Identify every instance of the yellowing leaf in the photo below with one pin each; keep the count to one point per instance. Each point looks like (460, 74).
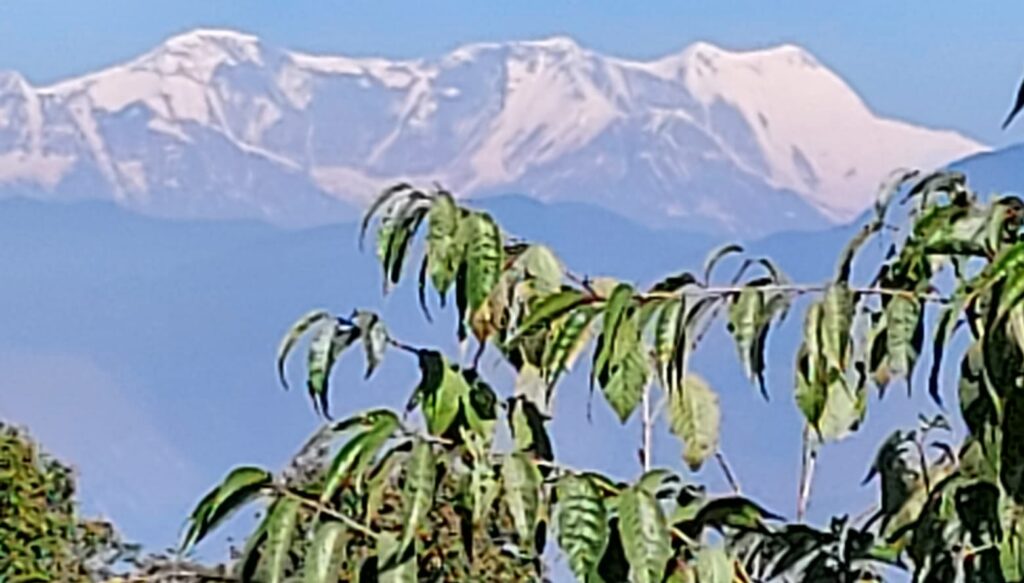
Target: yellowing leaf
(695, 417)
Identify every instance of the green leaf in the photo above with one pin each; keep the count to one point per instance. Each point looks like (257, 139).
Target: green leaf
(353, 457)
(713, 565)
(694, 417)
(329, 341)
(325, 554)
(521, 482)
(615, 311)
(396, 234)
(571, 334)
(444, 251)
(378, 203)
(904, 334)
(645, 536)
(836, 323)
(546, 310)
(394, 564)
(812, 374)
(283, 518)
(846, 257)
(484, 258)
(441, 389)
(292, 336)
(582, 524)
(666, 336)
(843, 411)
(734, 512)
(674, 282)
(480, 406)
(375, 338)
(418, 492)
(717, 255)
(543, 267)
(238, 488)
(625, 376)
(528, 431)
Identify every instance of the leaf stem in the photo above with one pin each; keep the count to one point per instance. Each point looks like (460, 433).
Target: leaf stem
(730, 478)
(350, 522)
(647, 428)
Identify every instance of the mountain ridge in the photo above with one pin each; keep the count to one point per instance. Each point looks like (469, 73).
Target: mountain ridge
(219, 124)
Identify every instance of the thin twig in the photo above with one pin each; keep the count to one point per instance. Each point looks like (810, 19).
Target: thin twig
(645, 448)
(730, 478)
(351, 523)
(808, 454)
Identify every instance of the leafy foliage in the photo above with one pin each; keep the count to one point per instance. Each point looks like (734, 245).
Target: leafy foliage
(436, 494)
(42, 538)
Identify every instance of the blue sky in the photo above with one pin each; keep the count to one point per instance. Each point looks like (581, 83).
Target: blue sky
(936, 62)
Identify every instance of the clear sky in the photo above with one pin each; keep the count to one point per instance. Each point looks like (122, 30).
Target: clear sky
(936, 62)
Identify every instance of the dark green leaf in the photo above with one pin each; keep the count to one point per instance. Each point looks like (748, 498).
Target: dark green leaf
(582, 524)
(239, 487)
(484, 258)
(353, 457)
(717, 255)
(645, 536)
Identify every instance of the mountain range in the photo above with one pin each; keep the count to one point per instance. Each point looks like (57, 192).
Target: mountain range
(220, 124)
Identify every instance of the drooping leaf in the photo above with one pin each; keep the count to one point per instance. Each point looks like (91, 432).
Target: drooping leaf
(836, 323)
(528, 431)
(444, 249)
(441, 391)
(645, 536)
(615, 311)
(625, 376)
(843, 410)
(717, 255)
(694, 417)
(239, 487)
(521, 482)
(395, 565)
(396, 234)
(378, 203)
(418, 492)
(667, 334)
(292, 336)
(329, 341)
(484, 258)
(353, 457)
(571, 334)
(282, 519)
(480, 406)
(812, 374)
(582, 524)
(325, 554)
(904, 334)
(375, 339)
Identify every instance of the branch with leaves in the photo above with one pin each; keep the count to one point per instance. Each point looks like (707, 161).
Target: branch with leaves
(371, 496)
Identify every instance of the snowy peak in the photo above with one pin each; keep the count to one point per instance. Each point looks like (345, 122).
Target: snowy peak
(215, 123)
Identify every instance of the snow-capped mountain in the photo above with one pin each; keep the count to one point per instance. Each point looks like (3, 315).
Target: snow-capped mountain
(219, 124)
